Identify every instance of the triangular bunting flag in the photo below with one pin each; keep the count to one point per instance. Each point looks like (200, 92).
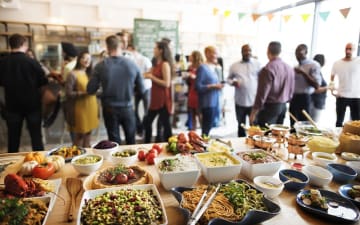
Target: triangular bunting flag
(305, 17)
(286, 18)
(241, 15)
(324, 15)
(215, 11)
(345, 12)
(255, 16)
(270, 16)
(227, 13)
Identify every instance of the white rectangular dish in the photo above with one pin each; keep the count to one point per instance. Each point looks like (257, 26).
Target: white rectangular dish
(92, 194)
(186, 176)
(251, 170)
(218, 166)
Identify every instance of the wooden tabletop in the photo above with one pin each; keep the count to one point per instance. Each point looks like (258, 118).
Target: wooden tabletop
(290, 212)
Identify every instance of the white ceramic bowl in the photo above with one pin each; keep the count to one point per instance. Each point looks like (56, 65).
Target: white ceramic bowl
(186, 173)
(84, 167)
(221, 172)
(106, 152)
(252, 170)
(263, 183)
(323, 158)
(356, 166)
(126, 156)
(318, 176)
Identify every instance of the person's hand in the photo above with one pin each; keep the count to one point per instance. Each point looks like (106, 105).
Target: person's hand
(148, 75)
(298, 70)
(252, 117)
(235, 83)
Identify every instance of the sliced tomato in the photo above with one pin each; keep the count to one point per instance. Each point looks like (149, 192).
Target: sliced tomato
(43, 171)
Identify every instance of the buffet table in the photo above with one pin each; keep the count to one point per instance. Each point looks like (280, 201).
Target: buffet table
(290, 212)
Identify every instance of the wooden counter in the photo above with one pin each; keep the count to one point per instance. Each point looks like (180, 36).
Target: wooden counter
(290, 212)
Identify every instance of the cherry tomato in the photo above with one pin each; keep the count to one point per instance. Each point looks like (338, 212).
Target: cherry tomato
(141, 155)
(43, 171)
(130, 173)
(153, 151)
(150, 158)
(121, 178)
(157, 147)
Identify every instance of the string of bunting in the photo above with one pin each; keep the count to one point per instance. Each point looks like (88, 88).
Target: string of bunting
(323, 15)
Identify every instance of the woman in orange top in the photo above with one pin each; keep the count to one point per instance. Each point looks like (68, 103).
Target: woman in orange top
(160, 102)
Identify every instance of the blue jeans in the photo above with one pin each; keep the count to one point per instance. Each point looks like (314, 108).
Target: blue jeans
(208, 117)
(14, 122)
(164, 118)
(116, 116)
(241, 113)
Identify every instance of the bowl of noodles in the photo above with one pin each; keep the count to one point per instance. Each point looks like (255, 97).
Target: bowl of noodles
(228, 205)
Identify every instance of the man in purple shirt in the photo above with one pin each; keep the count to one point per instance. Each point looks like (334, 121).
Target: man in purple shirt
(275, 89)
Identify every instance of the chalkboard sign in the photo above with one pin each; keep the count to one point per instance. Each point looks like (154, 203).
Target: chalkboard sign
(147, 32)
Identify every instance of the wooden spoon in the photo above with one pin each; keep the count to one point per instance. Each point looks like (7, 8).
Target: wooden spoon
(309, 118)
(74, 186)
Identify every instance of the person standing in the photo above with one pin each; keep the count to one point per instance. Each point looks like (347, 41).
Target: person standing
(275, 88)
(243, 75)
(161, 102)
(196, 60)
(82, 109)
(347, 70)
(118, 76)
(208, 88)
(22, 78)
(318, 98)
(144, 65)
(307, 80)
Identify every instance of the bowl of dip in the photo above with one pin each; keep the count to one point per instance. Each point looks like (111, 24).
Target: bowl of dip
(218, 166)
(88, 163)
(177, 171)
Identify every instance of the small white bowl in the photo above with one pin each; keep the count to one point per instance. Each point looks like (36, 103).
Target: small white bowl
(264, 184)
(318, 176)
(185, 175)
(106, 152)
(84, 167)
(323, 158)
(356, 166)
(126, 156)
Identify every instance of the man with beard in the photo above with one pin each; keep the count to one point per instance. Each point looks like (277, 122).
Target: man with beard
(243, 75)
(347, 70)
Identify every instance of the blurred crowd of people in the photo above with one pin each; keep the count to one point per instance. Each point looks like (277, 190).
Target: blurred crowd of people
(124, 78)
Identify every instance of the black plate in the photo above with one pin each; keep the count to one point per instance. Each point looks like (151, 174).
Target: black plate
(346, 212)
(343, 191)
(67, 159)
(251, 217)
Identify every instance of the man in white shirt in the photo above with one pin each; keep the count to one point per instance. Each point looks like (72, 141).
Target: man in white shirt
(243, 75)
(347, 93)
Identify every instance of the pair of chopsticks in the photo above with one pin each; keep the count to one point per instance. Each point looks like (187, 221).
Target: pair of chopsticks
(201, 208)
(308, 117)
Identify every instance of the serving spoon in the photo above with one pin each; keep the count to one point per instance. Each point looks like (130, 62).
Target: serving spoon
(74, 187)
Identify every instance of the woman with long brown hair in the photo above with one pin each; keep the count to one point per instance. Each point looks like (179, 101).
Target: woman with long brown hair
(81, 108)
(161, 102)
